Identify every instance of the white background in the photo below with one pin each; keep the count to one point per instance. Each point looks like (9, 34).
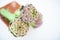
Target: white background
(49, 30)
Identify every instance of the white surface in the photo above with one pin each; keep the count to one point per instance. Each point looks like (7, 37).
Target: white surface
(50, 29)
